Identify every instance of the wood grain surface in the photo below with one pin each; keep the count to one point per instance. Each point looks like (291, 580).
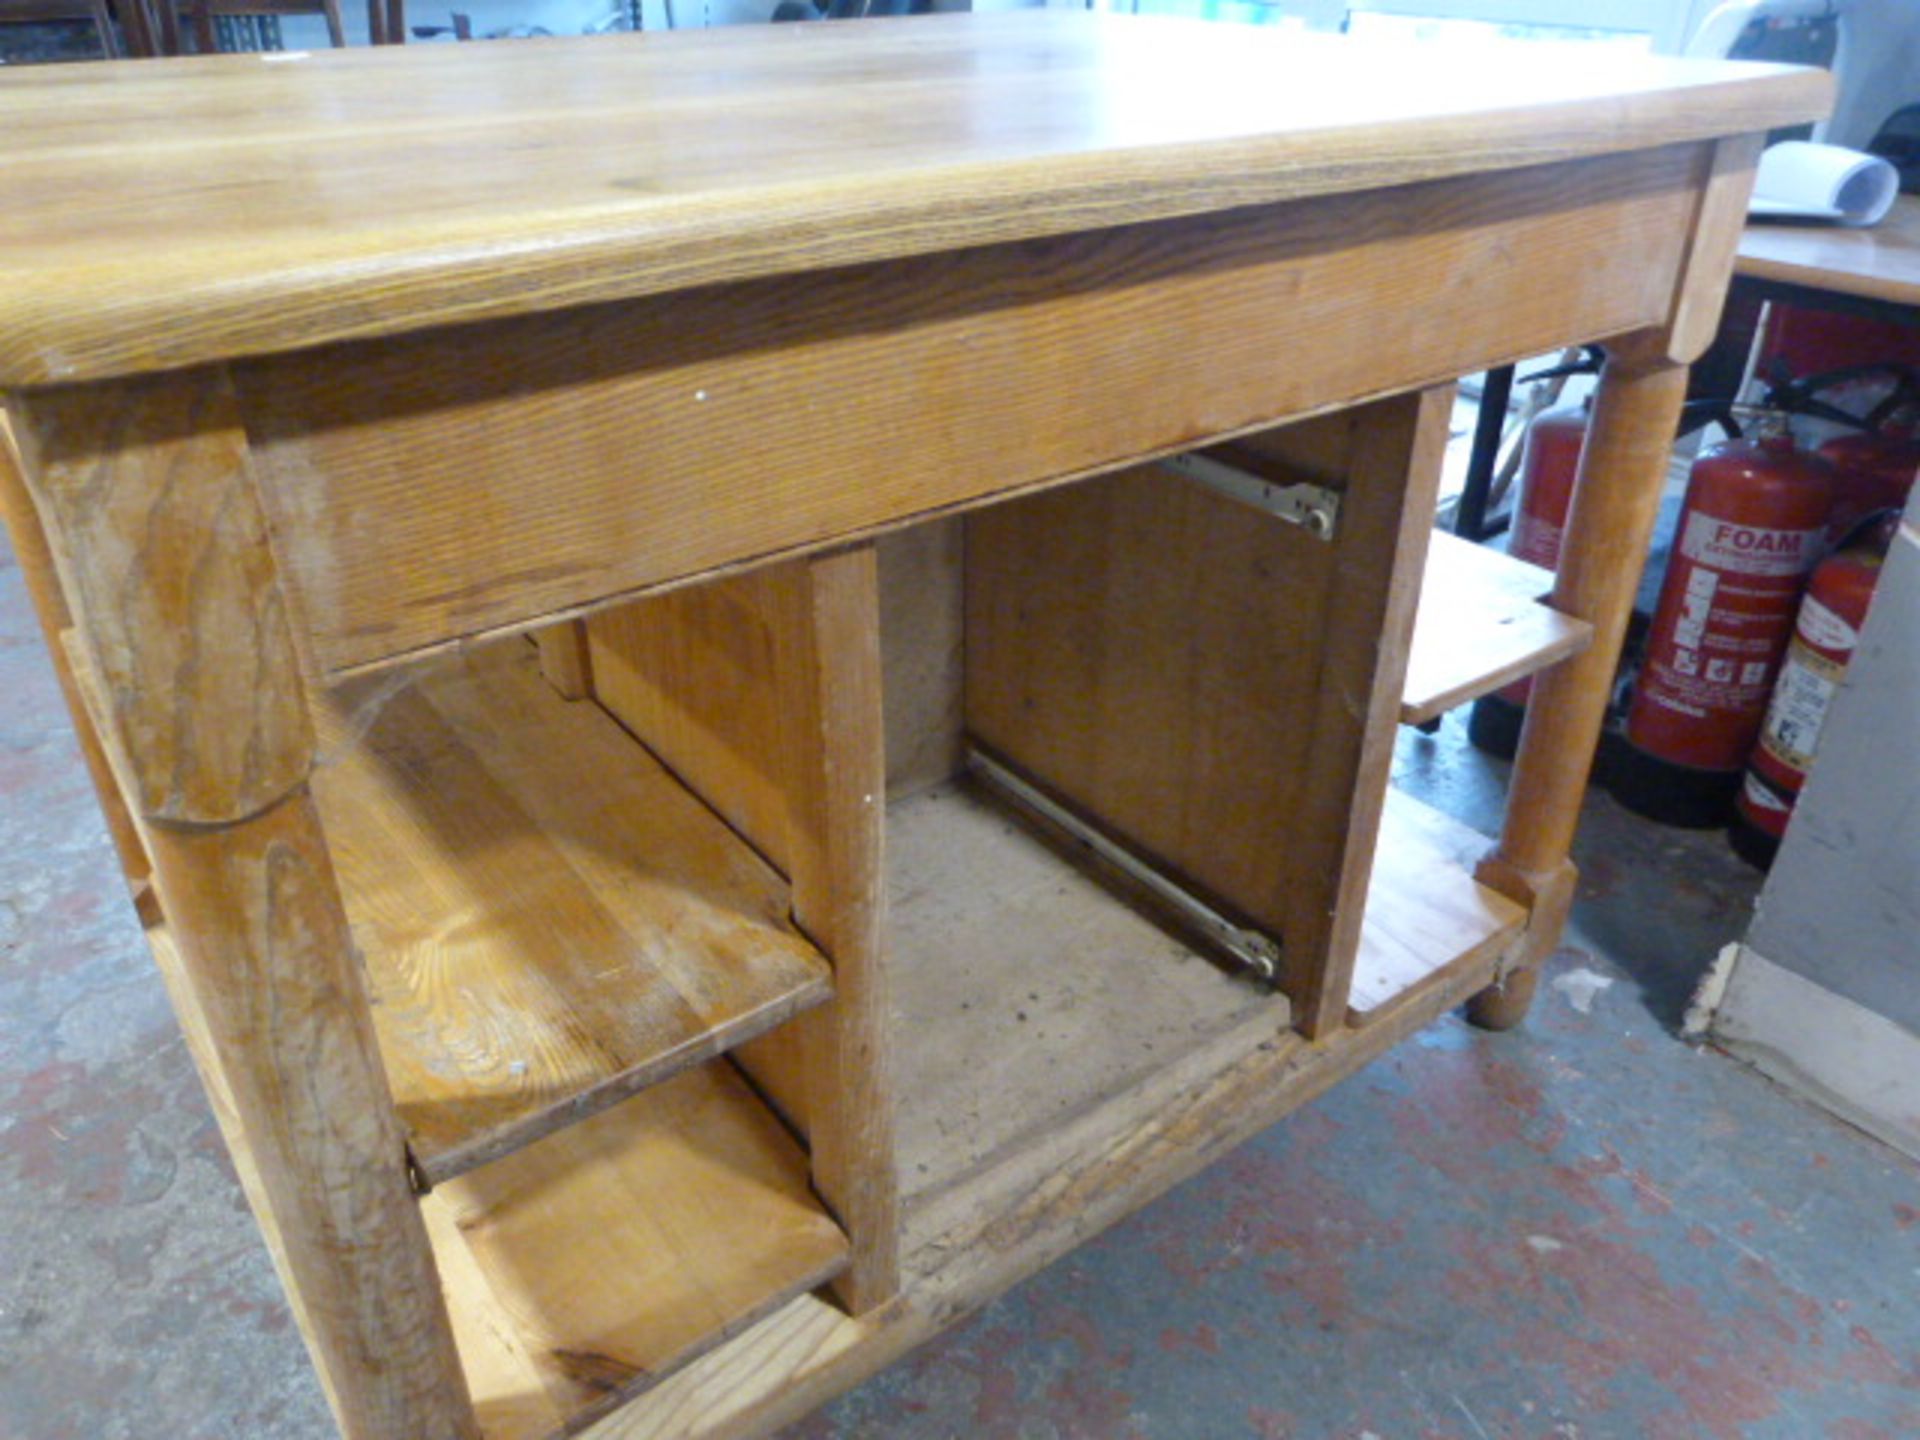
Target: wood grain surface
(1427, 918)
(586, 1268)
(762, 691)
(826, 627)
(432, 486)
(1878, 264)
(1149, 650)
(1700, 293)
(1218, 688)
(565, 659)
(264, 948)
(35, 559)
(1392, 477)
(156, 526)
(691, 673)
(1016, 1217)
(1481, 624)
(163, 214)
(550, 921)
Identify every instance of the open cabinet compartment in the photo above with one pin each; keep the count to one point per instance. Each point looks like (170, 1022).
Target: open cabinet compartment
(562, 943)
(1205, 683)
(1217, 688)
(622, 1201)
(613, 941)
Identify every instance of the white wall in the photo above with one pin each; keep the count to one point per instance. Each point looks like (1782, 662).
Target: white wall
(1842, 904)
(1824, 994)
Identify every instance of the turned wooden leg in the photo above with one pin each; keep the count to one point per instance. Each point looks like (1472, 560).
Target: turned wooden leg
(1616, 498)
(155, 527)
(1623, 469)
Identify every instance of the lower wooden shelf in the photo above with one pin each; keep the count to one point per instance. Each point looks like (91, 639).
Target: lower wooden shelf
(1481, 624)
(1427, 918)
(1039, 1159)
(1026, 992)
(551, 922)
(584, 1268)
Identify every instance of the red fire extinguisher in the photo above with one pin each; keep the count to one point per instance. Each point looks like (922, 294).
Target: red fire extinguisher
(1549, 461)
(1751, 527)
(1873, 471)
(1875, 409)
(1825, 634)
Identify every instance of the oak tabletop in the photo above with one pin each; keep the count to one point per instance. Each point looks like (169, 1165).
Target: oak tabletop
(156, 214)
(1878, 263)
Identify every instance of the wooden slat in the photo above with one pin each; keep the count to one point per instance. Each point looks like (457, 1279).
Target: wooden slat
(1427, 920)
(1481, 624)
(550, 921)
(1392, 477)
(199, 209)
(565, 660)
(630, 446)
(582, 1270)
(826, 624)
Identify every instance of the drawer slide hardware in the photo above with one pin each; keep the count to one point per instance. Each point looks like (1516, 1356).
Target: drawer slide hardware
(1314, 508)
(1258, 953)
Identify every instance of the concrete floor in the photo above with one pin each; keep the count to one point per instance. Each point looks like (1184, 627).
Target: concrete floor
(1582, 1229)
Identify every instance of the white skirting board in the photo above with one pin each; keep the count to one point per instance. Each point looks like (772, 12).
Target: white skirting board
(1846, 1058)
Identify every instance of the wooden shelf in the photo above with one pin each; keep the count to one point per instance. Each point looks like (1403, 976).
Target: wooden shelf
(1027, 992)
(1481, 625)
(550, 921)
(1427, 918)
(585, 1268)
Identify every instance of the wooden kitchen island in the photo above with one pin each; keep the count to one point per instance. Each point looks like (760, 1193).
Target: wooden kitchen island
(968, 483)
